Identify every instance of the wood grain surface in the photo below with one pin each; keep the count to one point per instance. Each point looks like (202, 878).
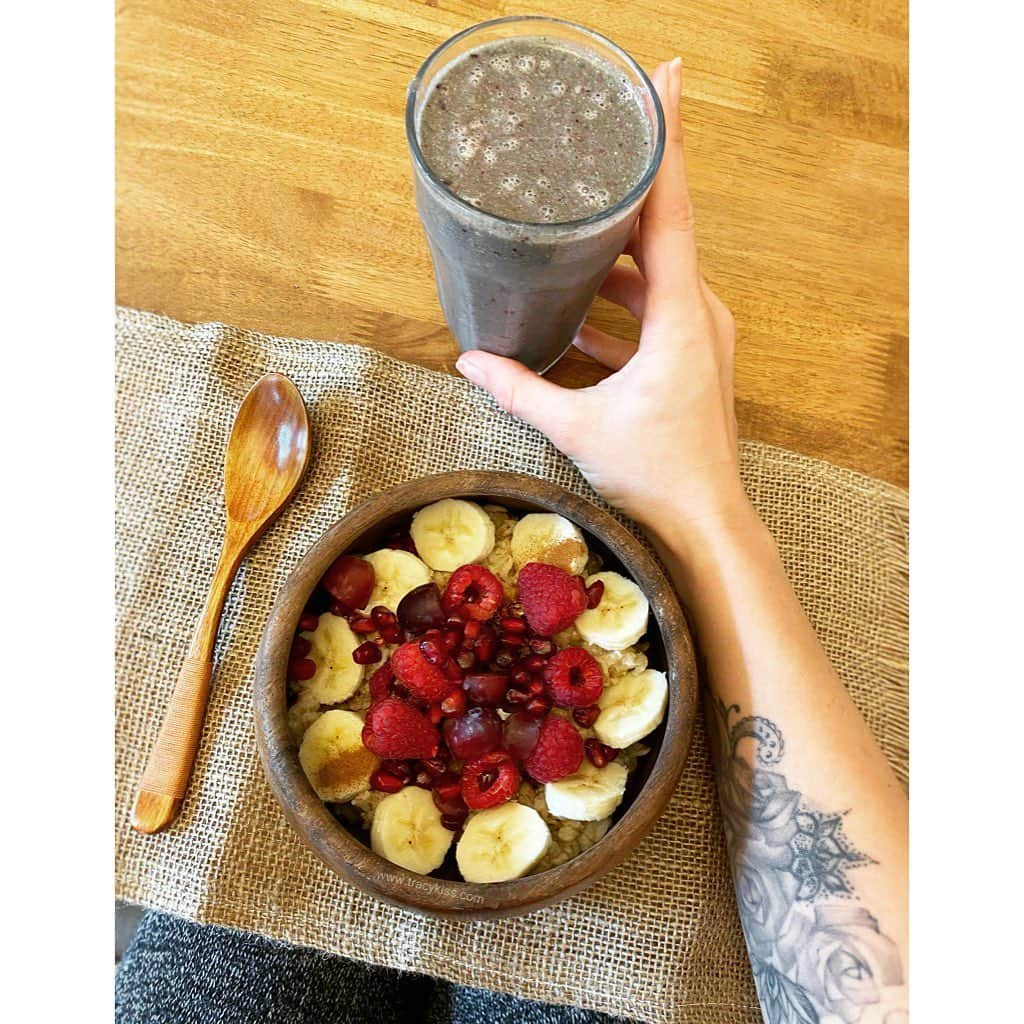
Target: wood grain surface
(263, 180)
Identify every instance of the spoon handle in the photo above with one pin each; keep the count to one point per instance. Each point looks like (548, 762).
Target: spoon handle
(169, 768)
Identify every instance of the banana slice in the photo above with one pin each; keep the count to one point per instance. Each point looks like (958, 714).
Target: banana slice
(620, 619)
(337, 675)
(452, 532)
(631, 707)
(333, 757)
(592, 794)
(501, 843)
(551, 538)
(396, 573)
(407, 831)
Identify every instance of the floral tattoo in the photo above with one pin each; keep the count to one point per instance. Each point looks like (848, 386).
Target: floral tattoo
(818, 956)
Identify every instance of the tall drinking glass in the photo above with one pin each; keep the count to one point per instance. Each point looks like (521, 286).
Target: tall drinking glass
(522, 288)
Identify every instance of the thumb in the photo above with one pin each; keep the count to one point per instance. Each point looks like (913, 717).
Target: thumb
(523, 393)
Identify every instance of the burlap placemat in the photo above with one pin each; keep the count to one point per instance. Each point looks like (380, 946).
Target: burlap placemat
(658, 938)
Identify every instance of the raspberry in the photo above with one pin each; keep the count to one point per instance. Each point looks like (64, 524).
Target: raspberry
(422, 679)
(552, 599)
(380, 682)
(395, 729)
(574, 678)
(559, 751)
(472, 592)
(489, 780)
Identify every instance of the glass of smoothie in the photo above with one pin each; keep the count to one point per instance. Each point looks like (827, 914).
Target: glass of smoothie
(534, 142)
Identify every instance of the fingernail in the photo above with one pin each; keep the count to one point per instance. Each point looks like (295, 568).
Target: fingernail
(468, 367)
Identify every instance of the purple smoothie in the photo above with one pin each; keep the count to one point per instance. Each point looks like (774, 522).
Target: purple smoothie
(535, 131)
(536, 151)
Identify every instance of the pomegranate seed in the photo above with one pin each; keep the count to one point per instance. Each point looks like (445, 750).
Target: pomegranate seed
(383, 616)
(452, 671)
(454, 703)
(471, 629)
(384, 782)
(378, 640)
(534, 663)
(433, 650)
(485, 648)
(401, 541)
(399, 769)
(303, 669)
(521, 677)
(537, 707)
(510, 640)
(536, 688)
(437, 766)
(423, 779)
(366, 654)
(465, 660)
(341, 610)
(308, 622)
(447, 787)
(586, 717)
(300, 648)
(599, 753)
(452, 804)
(512, 610)
(503, 659)
(435, 714)
(454, 822)
(452, 639)
(541, 646)
(513, 625)
(391, 633)
(361, 624)
(515, 696)
(594, 593)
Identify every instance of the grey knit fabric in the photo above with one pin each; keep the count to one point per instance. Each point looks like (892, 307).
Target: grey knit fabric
(176, 971)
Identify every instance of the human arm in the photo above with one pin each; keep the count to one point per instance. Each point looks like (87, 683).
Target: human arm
(814, 817)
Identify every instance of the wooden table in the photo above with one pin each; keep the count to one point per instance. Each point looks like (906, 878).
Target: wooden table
(263, 180)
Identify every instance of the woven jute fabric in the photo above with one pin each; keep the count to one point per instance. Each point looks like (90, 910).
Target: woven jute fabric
(658, 938)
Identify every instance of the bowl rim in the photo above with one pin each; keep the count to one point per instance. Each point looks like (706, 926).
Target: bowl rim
(356, 862)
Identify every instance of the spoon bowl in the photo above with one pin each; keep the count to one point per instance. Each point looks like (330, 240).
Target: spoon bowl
(267, 453)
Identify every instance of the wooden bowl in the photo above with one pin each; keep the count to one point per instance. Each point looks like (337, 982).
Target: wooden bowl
(650, 786)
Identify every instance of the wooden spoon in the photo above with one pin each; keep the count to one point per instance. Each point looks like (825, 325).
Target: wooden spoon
(266, 456)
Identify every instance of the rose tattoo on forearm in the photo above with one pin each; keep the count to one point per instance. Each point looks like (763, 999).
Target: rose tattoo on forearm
(818, 956)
